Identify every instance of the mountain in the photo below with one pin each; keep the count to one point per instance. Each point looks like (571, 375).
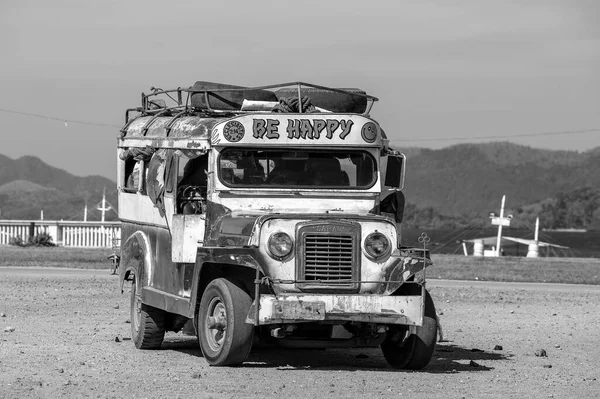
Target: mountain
(29, 185)
(469, 180)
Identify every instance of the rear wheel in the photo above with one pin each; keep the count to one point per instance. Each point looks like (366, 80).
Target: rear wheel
(224, 336)
(147, 322)
(413, 351)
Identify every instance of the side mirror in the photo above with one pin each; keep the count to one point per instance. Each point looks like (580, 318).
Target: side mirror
(393, 204)
(394, 174)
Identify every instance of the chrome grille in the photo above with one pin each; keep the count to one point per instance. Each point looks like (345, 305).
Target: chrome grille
(328, 254)
(328, 257)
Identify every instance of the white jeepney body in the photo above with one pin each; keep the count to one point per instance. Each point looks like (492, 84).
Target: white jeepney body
(288, 206)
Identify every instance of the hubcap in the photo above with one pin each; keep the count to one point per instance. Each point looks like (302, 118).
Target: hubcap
(215, 325)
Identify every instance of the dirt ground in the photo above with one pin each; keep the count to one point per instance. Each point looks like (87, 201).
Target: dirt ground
(66, 328)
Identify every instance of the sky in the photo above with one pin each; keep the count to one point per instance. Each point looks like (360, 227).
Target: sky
(445, 72)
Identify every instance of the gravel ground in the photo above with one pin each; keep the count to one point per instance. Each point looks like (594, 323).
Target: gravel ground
(71, 338)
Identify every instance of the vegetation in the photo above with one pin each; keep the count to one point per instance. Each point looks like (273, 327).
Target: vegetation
(429, 218)
(575, 210)
(39, 240)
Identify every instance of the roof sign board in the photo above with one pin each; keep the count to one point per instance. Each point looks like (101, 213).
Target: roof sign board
(298, 129)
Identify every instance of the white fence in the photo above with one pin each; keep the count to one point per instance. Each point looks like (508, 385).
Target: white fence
(68, 234)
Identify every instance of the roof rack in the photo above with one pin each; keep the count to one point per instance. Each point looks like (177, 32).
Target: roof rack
(180, 99)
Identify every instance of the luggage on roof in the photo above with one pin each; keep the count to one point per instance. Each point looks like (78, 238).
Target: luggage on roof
(227, 97)
(352, 101)
(230, 100)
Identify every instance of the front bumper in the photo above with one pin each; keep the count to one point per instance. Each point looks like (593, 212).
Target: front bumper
(380, 309)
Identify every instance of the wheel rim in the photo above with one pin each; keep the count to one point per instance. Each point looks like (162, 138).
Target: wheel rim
(215, 325)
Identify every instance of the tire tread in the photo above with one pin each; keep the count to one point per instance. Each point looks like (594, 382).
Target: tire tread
(151, 332)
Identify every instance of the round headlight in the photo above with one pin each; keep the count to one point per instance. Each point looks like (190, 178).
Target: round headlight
(280, 245)
(377, 245)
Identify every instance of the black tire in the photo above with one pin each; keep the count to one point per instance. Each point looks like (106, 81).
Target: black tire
(404, 350)
(147, 323)
(224, 336)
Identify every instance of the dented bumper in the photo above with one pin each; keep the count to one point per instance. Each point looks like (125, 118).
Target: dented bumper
(282, 309)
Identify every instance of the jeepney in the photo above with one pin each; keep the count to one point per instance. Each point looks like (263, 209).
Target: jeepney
(271, 216)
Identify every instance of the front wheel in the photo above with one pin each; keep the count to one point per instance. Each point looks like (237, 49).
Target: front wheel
(147, 322)
(413, 351)
(224, 336)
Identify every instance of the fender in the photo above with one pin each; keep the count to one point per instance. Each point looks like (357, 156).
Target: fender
(136, 258)
(229, 258)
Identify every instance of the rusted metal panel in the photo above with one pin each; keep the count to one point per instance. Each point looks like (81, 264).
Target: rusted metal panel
(281, 309)
(229, 228)
(136, 256)
(166, 301)
(139, 208)
(187, 127)
(187, 232)
(299, 310)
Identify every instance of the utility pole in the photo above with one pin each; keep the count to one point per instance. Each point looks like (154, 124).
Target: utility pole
(103, 208)
(500, 221)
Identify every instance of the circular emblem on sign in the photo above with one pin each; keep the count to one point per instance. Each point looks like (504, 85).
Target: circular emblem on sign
(369, 132)
(233, 131)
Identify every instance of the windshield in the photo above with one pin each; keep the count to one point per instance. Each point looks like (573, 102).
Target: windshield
(350, 169)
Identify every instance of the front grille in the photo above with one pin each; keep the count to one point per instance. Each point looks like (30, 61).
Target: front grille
(328, 255)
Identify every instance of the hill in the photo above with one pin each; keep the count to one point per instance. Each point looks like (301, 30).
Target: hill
(577, 209)
(29, 185)
(468, 180)
(23, 186)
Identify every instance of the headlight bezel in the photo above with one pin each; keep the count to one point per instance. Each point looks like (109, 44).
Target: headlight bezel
(368, 246)
(278, 255)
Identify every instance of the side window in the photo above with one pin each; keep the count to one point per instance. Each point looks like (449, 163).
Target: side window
(143, 166)
(132, 175)
(192, 186)
(182, 162)
(192, 172)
